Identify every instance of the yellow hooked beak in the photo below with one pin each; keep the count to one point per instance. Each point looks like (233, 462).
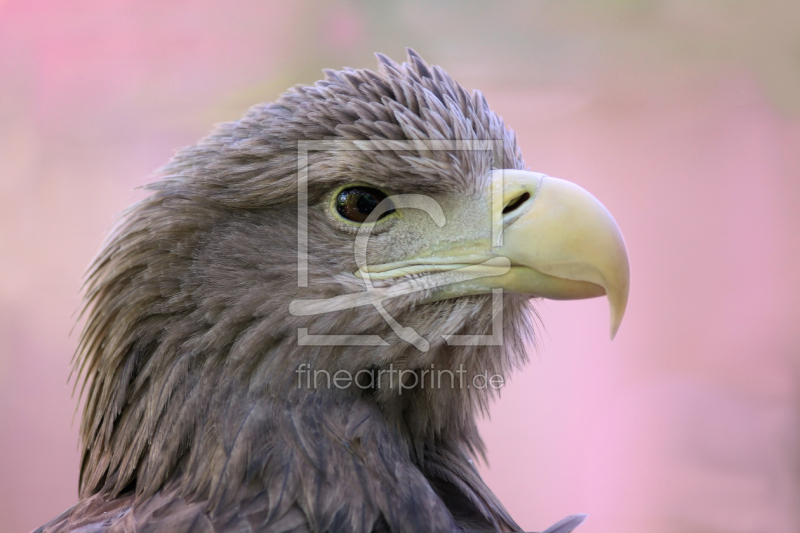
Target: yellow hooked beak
(550, 239)
(564, 245)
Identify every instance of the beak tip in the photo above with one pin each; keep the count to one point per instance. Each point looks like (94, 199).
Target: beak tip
(618, 302)
(617, 312)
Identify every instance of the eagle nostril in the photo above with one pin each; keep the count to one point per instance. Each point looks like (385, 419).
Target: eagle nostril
(516, 202)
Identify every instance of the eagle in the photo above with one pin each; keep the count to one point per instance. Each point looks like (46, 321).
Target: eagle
(297, 328)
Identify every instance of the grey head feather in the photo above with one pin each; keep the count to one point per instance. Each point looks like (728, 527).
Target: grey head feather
(568, 524)
(189, 354)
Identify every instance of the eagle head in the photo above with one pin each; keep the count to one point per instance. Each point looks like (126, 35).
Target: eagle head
(303, 305)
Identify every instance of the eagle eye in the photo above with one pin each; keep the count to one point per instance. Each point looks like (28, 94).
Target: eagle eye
(356, 203)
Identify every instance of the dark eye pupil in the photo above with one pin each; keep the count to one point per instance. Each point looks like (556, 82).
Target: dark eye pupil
(365, 203)
(356, 203)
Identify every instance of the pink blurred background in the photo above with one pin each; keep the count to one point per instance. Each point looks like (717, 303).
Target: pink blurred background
(683, 117)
